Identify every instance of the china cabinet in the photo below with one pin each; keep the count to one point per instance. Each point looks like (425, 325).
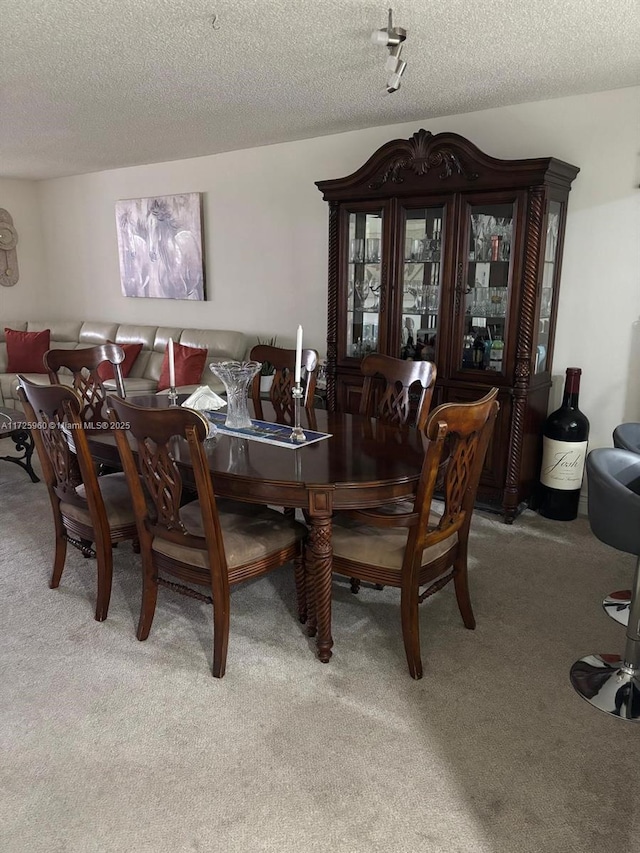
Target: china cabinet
(440, 252)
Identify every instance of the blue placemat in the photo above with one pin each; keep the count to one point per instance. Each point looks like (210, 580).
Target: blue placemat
(277, 434)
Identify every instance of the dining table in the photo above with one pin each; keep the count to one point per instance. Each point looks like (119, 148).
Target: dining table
(364, 463)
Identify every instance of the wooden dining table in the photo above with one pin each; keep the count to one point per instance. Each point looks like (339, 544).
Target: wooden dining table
(364, 463)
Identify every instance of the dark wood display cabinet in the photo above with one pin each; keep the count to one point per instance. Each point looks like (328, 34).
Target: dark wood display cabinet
(438, 251)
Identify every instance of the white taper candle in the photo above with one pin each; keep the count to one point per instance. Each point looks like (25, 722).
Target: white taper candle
(172, 365)
(298, 356)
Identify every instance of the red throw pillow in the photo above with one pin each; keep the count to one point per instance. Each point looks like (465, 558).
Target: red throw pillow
(189, 364)
(25, 350)
(131, 352)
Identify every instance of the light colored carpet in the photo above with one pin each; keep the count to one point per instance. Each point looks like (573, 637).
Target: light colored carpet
(109, 744)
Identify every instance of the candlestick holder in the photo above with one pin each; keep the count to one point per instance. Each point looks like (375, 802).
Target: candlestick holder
(296, 433)
(173, 396)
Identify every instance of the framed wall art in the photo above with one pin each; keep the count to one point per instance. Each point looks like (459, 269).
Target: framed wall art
(160, 246)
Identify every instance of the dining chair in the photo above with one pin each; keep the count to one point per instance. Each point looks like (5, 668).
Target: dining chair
(386, 396)
(280, 394)
(387, 385)
(83, 365)
(419, 544)
(87, 509)
(203, 543)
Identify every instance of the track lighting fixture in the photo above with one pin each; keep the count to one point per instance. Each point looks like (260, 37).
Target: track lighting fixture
(391, 65)
(393, 83)
(392, 38)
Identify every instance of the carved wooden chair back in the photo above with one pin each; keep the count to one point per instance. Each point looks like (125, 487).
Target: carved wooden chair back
(162, 437)
(49, 408)
(390, 401)
(280, 394)
(83, 365)
(468, 431)
(186, 541)
(413, 546)
(81, 516)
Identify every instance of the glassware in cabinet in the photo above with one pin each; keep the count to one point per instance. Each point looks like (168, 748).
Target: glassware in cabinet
(364, 282)
(490, 230)
(421, 282)
(547, 288)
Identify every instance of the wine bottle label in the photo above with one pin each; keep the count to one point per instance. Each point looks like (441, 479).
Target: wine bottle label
(563, 464)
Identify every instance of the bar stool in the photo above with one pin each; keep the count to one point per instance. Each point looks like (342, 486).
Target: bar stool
(627, 437)
(616, 605)
(607, 681)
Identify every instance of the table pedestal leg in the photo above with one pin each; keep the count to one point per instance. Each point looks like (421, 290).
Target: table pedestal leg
(319, 566)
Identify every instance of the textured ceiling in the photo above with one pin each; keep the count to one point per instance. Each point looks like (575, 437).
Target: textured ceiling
(87, 85)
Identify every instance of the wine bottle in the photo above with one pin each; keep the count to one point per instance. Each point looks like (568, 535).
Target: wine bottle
(564, 450)
(478, 351)
(496, 352)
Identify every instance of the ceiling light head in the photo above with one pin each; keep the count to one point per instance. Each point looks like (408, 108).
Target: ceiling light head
(390, 36)
(393, 83)
(393, 60)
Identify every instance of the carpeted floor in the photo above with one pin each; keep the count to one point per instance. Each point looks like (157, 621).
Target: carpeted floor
(109, 744)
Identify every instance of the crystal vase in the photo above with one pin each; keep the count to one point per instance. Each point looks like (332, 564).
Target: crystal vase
(236, 376)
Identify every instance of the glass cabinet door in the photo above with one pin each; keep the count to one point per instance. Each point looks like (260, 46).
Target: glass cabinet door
(421, 283)
(548, 277)
(490, 230)
(364, 261)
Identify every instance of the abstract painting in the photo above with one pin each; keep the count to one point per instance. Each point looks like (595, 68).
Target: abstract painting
(160, 246)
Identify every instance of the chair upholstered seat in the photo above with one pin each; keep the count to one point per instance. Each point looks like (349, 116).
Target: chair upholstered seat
(250, 533)
(117, 502)
(375, 546)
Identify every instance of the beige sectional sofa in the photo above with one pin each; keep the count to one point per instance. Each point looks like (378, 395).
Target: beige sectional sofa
(143, 378)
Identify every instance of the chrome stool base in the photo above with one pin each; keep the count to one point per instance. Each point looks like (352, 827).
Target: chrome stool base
(617, 606)
(607, 684)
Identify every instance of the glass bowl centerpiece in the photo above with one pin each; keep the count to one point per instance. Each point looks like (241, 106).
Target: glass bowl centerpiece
(236, 376)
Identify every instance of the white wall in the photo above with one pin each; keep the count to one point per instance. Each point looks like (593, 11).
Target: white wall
(22, 201)
(266, 236)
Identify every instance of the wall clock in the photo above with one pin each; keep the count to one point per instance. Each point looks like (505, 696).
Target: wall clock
(8, 255)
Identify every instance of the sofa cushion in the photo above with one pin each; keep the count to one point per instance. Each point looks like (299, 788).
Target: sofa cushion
(92, 333)
(189, 364)
(61, 330)
(221, 344)
(131, 352)
(16, 325)
(25, 350)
